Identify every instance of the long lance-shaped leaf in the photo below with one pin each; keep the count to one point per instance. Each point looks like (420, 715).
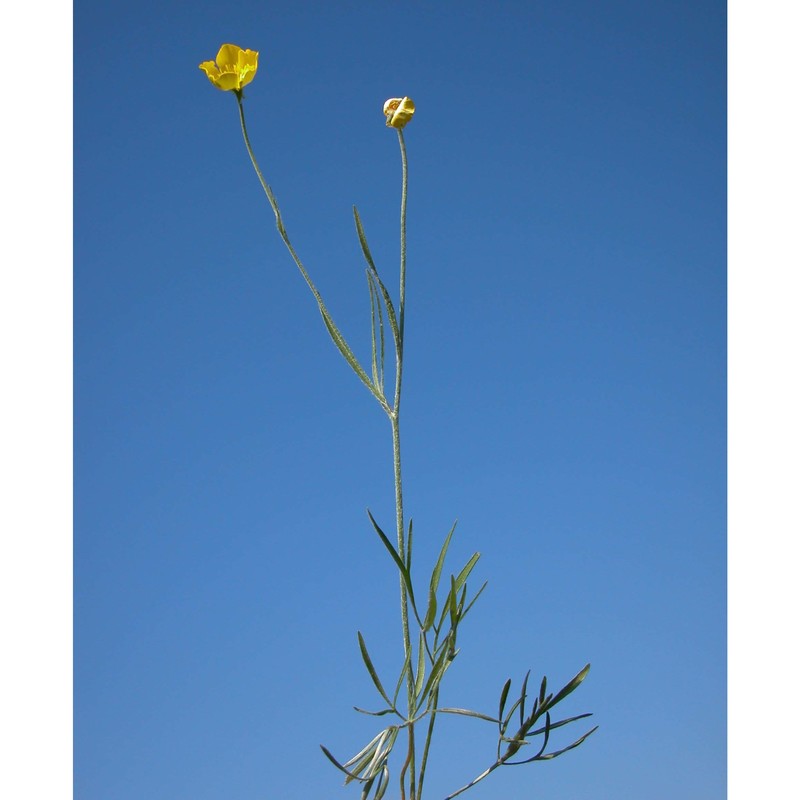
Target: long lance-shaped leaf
(458, 618)
(368, 749)
(503, 698)
(510, 714)
(437, 570)
(373, 316)
(382, 713)
(559, 724)
(547, 729)
(369, 762)
(402, 677)
(382, 363)
(466, 712)
(338, 765)
(572, 746)
(458, 582)
(387, 299)
(430, 614)
(468, 567)
(376, 315)
(555, 754)
(437, 673)
(367, 788)
(420, 665)
(444, 611)
(382, 752)
(383, 783)
(569, 688)
(472, 602)
(398, 561)
(371, 668)
(453, 608)
(522, 695)
(349, 357)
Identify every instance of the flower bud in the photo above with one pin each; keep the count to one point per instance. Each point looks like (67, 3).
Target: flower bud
(398, 111)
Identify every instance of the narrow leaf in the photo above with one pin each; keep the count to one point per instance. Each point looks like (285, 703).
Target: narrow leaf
(383, 783)
(374, 289)
(472, 602)
(338, 765)
(570, 687)
(503, 698)
(459, 582)
(464, 574)
(386, 296)
(437, 570)
(467, 713)
(347, 353)
(451, 603)
(510, 713)
(437, 672)
(430, 614)
(375, 713)
(373, 318)
(522, 695)
(363, 240)
(401, 679)
(559, 724)
(371, 669)
(420, 666)
(577, 742)
(397, 560)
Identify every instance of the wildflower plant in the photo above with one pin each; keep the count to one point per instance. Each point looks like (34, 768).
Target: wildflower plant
(431, 612)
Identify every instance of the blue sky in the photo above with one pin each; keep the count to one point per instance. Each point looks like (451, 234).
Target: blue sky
(564, 389)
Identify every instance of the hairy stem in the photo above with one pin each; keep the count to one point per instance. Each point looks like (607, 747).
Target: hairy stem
(333, 331)
(394, 417)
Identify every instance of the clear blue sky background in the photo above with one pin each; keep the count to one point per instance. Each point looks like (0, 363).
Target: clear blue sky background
(564, 391)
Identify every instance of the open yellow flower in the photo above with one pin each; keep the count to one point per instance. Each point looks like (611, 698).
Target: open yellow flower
(398, 111)
(234, 68)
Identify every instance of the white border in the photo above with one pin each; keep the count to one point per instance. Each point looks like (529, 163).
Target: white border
(764, 399)
(36, 404)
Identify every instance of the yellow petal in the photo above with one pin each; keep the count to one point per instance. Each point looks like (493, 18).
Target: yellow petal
(210, 69)
(227, 81)
(247, 66)
(228, 55)
(233, 69)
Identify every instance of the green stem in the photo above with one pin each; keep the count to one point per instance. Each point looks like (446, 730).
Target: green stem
(334, 332)
(428, 738)
(394, 417)
(403, 200)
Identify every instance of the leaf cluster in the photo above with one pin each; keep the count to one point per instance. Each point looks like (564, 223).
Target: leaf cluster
(438, 623)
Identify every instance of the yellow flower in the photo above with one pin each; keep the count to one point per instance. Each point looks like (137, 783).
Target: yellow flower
(398, 111)
(233, 69)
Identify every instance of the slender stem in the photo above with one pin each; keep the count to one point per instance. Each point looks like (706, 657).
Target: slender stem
(427, 747)
(274, 203)
(403, 200)
(398, 478)
(334, 332)
(478, 779)
(393, 413)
